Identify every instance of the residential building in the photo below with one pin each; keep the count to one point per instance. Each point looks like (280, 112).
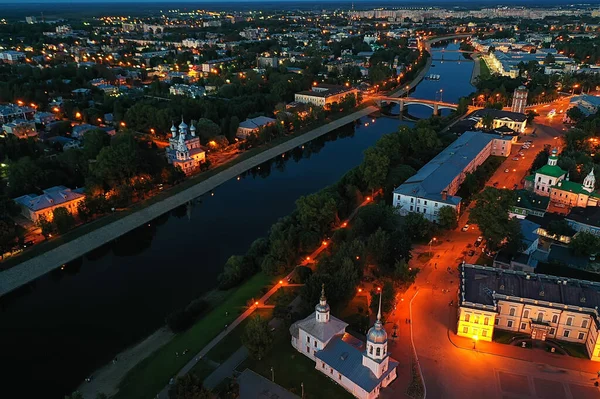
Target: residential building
(184, 148)
(11, 57)
(43, 118)
(529, 203)
(538, 305)
(546, 177)
(109, 89)
(10, 112)
(213, 65)
(586, 103)
(33, 206)
(519, 100)
(264, 62)
(20, 128)
(511, 120)
(361, 370)
(584, 219)
(325, 94)
(435, 184)
(187, 90)
(253, 126)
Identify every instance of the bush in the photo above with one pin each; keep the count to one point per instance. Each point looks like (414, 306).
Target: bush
(182, 319)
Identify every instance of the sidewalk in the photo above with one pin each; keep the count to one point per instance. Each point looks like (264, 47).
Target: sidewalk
(226, 369)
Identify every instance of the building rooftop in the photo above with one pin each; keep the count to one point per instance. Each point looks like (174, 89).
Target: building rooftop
(481, 283)
(51, 197)
(257, 122)
(323, 331)
(499, 114)
(564, 256)
(345, 354)
(255, 386)
(530, 200)
(326, 90)
(549, 170)
(589, 215)
(434, 178)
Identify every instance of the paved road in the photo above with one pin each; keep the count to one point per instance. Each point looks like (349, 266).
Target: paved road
(31, 269)
(226, 369)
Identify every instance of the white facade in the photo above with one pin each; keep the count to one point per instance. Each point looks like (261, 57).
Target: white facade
(519, 101)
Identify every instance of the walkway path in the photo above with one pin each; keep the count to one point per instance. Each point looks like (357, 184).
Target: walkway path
(476, 69)
(30, 270)
(164, 394)
(226, 369)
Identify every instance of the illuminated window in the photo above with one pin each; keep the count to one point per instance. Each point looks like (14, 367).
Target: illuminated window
(566, 333)
(581, 335)
(569, 321)
(486, 321)
(584, 324)
(509, 323)
(523, 326)
(512, 311)
(378, 352)
(467, 317)
(555, 318)
(540, 317)
(465, 330)
(526, 314)
(484, 333)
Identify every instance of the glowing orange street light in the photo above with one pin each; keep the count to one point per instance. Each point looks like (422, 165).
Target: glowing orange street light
(360, 290)
(344, 224)
(256, 303)
(20, 102)
(280, 281)
(55, 109)
(123, 124)
(324, 243)
(475, 339)
(152, 131)
(378, 288)
(368, 198)
(78, 115)
(99, 120)
(308, 258)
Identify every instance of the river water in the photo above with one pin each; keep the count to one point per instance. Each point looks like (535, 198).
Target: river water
(58, 330)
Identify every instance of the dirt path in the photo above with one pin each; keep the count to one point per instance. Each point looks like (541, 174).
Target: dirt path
(107, 379)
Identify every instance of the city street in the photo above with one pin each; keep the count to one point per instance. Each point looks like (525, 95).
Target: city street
(455, 367)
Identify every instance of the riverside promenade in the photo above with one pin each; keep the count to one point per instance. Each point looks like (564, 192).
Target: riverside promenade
(34, 268)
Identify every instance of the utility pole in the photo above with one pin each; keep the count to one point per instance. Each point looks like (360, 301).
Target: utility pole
(272, 375)
(302, 385)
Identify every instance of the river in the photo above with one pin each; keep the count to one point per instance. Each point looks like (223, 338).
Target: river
(56, 332)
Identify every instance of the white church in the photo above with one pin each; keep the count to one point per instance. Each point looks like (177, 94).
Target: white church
(361, 370)
(184, 148)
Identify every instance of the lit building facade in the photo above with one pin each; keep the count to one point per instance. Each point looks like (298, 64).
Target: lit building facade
(541, 306)
(363, 370)
(184, 149)
(34, 207)
(519, 101)
(324, 95)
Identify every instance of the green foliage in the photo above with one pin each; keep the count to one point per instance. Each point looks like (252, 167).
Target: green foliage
(388, 298)
(417, 226)
(24, 177)
(490, 213)
(257, 337)
(585, 244)
(476, 180)
(316, 212)
(94, 141)
(47, 226)
(540, 160)
(448, 218)
(375, 168)
(182, 319)
(188, 387)
(560, 228)
(63, 219)
(8, 234)
(207, 129)
(575, 114)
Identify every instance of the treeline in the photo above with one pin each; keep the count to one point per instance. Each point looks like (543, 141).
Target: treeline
(393, 159)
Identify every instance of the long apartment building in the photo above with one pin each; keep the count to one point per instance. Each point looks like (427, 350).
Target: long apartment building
(325, 94)
(538, 305)
(435, 184)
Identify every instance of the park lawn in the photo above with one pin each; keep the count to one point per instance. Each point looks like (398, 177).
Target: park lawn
(293, 369)
(575, 350)
(294, 291)
(149, 376)
(232, 342)
(202, 369)
(484, 71)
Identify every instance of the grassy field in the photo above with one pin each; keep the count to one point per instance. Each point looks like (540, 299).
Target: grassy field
(149, 376)
(293, 369)
(484, 71)
(233, 340)
(575, 350)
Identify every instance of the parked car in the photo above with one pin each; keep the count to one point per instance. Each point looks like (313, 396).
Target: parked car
(495, 184)
(28, 243)
(506, 170)
(471, 253)
(477, 243)
(465, 228)
(479, 239)
(515, 158)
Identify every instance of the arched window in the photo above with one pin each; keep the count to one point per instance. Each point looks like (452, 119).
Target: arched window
(526, 314)
(370, 349)
(377, 351)
(467, 317)
(540, 317)
(512, 311)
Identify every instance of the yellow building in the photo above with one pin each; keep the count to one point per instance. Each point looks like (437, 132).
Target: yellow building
(542, 306)
(325, 94)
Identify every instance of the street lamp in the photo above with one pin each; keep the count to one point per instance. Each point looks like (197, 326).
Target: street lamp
(430, 242)
(475, 339)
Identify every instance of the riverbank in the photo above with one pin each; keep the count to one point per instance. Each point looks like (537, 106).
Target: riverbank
(38, 266)
(476, 69)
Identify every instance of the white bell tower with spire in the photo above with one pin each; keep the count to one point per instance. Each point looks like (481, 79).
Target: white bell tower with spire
(376, 356)
(589, 183)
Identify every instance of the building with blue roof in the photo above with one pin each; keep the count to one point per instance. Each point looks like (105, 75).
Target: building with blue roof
(586, 103)
(363, 370)
(435, 184)
(34, 207)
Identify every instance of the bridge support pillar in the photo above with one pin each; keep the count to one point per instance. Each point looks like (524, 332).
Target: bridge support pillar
(401, 103)
(435, 109)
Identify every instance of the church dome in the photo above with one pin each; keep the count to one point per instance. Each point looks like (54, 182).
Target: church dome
(182, 126)
(377, 334)
(193, 128)
(173, 128)
(322, 306)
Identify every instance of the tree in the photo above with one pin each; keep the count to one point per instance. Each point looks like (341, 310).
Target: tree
(487, 121)
(74, 395)
(388, 297)
(63, 219)
(531, 116)
(560, 228)
(585, 244)
(417, 226)
(575, 114)
(540, 160)
(47, 226)
(93, 142)
(447, 218)
(257, 337)
(8, 234)
(207, 129)
(403, 272)
(550, 59)
(188, 387)
(24, 177)
(317, 212)
(490, 213)
(375, 168)
(378, 245)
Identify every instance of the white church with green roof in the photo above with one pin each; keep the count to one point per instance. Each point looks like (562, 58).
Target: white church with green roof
(552, 181)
